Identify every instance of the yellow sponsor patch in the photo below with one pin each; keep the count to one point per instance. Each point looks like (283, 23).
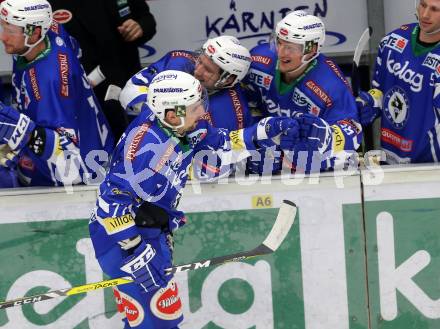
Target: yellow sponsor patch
(143, 89)
(262, 201)
(338, 139)
(237, 142)
(117, 224)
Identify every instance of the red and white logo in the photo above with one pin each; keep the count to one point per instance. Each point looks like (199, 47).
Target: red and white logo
(390, 137)
(129, 307)
(64, 74)
(34, 83)
(238, 108)
(261, 59)
(211, 49)
(318, 91)
(134, 145)
(62, 16)
(26, 163)
(284, 31)
(166, 303)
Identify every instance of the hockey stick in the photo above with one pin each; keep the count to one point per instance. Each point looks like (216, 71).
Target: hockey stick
(283, 223)
(355, 81)
(355, 76)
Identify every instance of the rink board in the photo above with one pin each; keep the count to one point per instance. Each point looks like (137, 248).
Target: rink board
(316, 280)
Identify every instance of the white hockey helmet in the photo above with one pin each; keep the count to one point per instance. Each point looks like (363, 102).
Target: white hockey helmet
(27, 14)
(231, 56)
(302, 28)
(178, 91)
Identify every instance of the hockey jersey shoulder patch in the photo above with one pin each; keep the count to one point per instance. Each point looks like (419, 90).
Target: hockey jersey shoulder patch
(260, 78)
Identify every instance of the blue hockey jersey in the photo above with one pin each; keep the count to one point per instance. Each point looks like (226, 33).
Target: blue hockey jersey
(227, 109)
(321, 91)
(72, 140)
(409, 77)
(149, 164)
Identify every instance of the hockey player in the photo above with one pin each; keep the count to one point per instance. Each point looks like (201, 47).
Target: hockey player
(406, 92)
(290, 77)
(136, 207)
(220, 65)
(58, 125)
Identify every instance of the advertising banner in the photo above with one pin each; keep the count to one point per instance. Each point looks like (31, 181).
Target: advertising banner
(187, 24)
(402, 219)
(312, 281)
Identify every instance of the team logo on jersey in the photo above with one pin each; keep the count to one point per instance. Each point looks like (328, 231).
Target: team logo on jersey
(134, 145)
(129, 307)
(318, 91)
(395, 42)
(396, 107)
(260, 78)
(62, 16)
(300, 99)
(34, 83)
(64, 74)
(390, 137)
(59, 41)
(433, 62)
(166, 303)
(238, 108)
(262, 59)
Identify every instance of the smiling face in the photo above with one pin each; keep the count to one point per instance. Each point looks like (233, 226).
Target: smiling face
(289, 55)
(428, 12)
(207, 72)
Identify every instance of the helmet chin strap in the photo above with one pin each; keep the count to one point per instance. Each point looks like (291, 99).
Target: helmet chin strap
(29, 46)
(303, 63)
(433, 32)
(174, 128)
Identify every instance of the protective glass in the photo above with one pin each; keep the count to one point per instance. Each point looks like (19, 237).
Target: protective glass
(289, 47)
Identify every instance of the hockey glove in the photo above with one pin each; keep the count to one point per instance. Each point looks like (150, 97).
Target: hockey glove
(267, 131)
(15, 128)
(369, 105)
(8, 158)
(146, 267)
(315, 133)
